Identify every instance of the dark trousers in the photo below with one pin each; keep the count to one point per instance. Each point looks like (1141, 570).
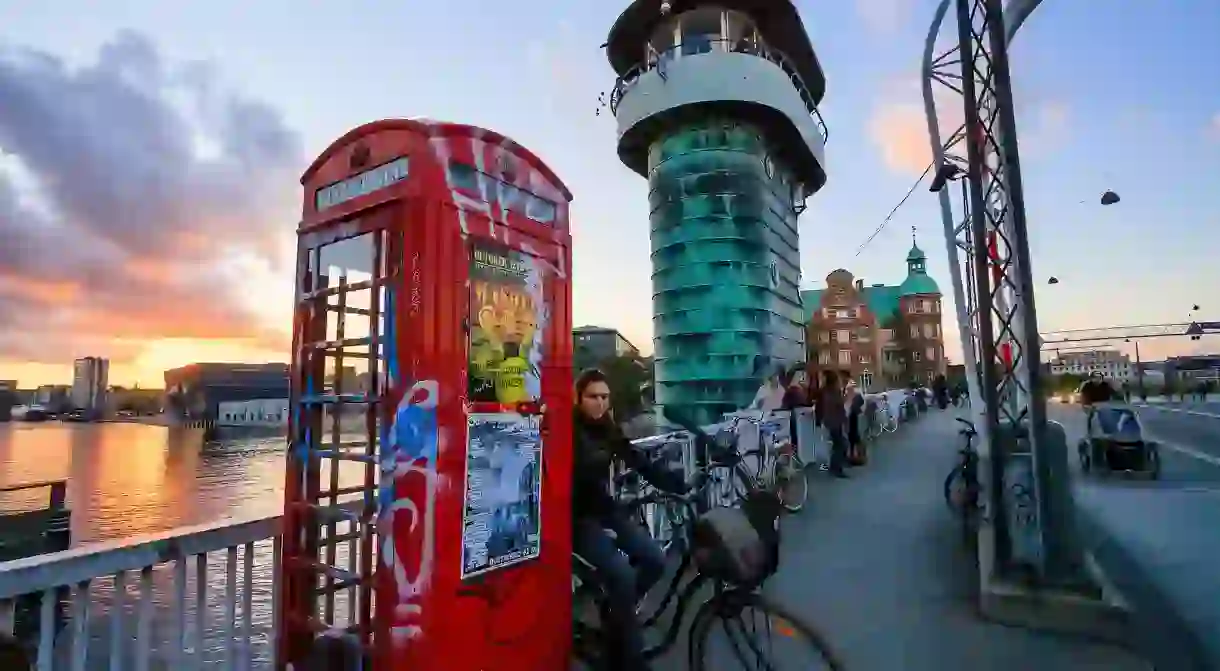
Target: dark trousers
(838, 449)
(628, 564)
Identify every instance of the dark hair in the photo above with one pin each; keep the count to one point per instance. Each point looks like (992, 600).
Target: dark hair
(587, 378)
(13, 655)
(829, 378)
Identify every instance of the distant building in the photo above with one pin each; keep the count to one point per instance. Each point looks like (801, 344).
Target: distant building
(53, 397)
(593, 344)
(267, 413)
(1192, 369)
(883, 336)
(8, 399)
(1111, 364)
(195, 392)
(90, 380)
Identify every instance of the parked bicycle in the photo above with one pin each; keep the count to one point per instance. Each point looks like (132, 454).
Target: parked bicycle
(777, 466)
(961, 488)
(732, 551)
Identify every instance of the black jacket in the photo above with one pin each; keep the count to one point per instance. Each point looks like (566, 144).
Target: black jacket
(1096, 391)
(597, 444)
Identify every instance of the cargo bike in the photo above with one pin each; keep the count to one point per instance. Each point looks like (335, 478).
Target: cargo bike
(1115, 442)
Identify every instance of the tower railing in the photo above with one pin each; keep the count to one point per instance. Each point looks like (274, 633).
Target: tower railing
(706, 46)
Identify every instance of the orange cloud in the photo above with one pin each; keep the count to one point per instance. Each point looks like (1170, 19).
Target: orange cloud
(898, 126)
(900, 133)
(136, 234)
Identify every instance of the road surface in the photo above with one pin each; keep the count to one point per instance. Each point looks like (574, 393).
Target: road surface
(1170, 528)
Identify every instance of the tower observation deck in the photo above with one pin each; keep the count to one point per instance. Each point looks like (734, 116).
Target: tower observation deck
(716, 106)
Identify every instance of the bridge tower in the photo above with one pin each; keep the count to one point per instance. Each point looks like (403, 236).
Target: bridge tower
(716, 105)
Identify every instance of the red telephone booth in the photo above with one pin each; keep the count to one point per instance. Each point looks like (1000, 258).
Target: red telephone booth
(427, 497)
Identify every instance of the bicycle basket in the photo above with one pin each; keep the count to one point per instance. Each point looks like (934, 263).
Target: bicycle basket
(740, 546)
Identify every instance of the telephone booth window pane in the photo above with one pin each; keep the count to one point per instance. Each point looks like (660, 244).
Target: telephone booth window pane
(540, 210)
(465, 178)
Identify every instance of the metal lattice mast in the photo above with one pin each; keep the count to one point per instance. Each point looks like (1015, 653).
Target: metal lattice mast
(992, 282)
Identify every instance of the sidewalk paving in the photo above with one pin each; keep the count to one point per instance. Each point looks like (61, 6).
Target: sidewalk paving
(876, 562)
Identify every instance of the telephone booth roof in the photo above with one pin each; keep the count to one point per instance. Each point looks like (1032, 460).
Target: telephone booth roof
(432, 128)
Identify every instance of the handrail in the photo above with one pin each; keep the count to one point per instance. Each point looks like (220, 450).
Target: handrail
(58, 491)
(32, 485)
(68, 567)
(757, 48)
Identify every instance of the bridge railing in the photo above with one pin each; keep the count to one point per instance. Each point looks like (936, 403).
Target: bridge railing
(206, 596)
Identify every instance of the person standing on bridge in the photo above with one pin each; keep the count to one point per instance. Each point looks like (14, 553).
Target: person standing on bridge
(832, 415)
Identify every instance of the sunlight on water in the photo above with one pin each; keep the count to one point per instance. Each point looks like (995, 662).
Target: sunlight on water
(128, 479)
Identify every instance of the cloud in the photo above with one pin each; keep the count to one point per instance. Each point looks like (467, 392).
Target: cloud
(898, 126)
(126, 233)
(883, 16)
(900, 133)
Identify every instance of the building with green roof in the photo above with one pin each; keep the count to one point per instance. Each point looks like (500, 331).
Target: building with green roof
(881, 335)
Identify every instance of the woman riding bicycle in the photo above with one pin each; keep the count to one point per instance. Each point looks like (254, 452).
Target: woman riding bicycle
(628, 562)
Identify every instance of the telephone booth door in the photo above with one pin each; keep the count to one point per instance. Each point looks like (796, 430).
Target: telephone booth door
(426, 519)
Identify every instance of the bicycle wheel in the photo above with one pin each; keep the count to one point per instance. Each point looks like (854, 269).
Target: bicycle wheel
(748, 632)
(955, 489)
(790, 482)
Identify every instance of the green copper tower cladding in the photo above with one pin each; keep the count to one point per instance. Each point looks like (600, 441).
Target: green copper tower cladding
(717, 106)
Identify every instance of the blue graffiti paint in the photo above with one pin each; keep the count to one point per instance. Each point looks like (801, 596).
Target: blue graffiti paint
(415, 432)
(389, 347)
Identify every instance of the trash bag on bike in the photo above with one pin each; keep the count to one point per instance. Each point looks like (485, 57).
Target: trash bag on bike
(740, 546)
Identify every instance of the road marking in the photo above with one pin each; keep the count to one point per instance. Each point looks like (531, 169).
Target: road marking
(1209, 491)
(1188, 451)
(1183, 411)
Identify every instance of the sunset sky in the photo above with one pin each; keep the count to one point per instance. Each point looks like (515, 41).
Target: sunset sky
(150, 155)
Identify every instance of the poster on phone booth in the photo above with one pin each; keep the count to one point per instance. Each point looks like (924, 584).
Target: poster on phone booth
(508, 316)
(502, 509)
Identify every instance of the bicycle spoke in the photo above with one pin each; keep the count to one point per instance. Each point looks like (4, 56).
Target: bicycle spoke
(767, 643)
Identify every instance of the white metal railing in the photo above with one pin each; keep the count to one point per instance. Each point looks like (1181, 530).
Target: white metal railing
(688, 50)
(190, 598)
(206, 596)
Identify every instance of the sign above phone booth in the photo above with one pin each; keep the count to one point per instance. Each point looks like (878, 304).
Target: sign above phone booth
(433, 338)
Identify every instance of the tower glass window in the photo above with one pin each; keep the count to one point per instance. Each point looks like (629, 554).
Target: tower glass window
(700, 30)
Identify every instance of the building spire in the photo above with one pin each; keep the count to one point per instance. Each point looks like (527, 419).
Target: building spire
(913, 236)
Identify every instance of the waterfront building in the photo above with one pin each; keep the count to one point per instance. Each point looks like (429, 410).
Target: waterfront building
(194, 393)
(54, 397)
(90, 381)
(716, 106)
(8, 399)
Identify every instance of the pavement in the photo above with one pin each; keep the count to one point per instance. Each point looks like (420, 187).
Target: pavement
(1165, 532)
(877, 564)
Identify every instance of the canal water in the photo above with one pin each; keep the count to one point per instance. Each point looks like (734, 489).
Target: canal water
(128, 479)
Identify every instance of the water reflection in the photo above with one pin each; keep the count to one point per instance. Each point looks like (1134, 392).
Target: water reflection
(128, 479)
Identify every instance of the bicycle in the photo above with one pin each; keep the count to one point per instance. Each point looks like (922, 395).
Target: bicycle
(888, 416)
(779, 467)
(732, 593)
(962, 488)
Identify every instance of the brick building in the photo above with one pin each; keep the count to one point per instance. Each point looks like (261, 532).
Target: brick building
(883, 336)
